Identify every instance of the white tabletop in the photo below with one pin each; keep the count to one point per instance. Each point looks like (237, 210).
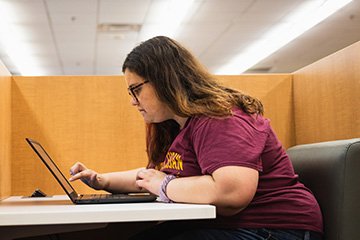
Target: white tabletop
(19, 211)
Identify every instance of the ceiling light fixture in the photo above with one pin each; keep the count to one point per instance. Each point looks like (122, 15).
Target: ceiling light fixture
(304, 18)
(165, 18)
(118, 28)
(11, 40)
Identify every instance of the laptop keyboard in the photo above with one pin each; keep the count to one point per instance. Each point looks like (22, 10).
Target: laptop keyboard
(103, 196)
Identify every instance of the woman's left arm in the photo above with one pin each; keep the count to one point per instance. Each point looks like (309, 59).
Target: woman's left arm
(229, 188)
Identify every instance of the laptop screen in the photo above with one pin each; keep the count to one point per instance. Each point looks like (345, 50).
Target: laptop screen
(52, 167)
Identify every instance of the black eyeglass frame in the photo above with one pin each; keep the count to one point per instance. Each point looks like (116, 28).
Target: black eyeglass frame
(131, 90)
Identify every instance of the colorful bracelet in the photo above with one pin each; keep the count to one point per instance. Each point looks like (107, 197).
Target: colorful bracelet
(163, 196)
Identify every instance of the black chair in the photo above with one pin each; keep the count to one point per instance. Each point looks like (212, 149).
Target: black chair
(332, 172)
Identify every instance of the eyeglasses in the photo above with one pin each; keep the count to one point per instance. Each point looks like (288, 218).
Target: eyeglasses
(134, 91)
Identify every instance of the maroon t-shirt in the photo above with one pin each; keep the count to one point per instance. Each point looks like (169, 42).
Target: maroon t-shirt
(281, 201)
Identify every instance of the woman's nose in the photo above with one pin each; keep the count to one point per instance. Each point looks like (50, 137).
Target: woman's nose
(134, 101)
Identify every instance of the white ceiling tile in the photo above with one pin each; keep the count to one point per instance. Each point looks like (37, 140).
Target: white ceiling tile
(117, 38)
(156, 7)
(123, 18)
(76, 53)
(274, 8)
(234, 39)
(110, 59)
(71, 6)
(75, 29)
(225, 6)
(73, 19)
(41, 48)
(219, 11)
(104, 69)
(78, 34)
(149, 31)
(107, 72)
(124, 5)
(22, 11)
(31, 32)
(46, 60)
(108, 63)
(198, 37)
(29, 17)
(52, 71)
(107, 54)
(213, 61)
(83, 71)
(112, 49)
(122, 11)
(78, 64)
(73, 60)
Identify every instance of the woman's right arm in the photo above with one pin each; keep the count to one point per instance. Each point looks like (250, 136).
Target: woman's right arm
(114, 182)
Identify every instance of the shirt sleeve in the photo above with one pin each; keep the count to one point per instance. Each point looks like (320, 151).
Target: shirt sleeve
(232, 141)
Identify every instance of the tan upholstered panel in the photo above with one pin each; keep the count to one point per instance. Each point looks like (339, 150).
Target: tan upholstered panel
(5, 129)
(86, 119)
(327, 98)
(90, 119)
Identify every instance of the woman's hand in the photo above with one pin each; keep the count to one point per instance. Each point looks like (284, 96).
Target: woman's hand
(88, 176)
(150, 179)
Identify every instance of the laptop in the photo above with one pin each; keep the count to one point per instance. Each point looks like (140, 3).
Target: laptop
(85, 198)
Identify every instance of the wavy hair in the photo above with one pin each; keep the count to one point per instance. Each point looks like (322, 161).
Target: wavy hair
(181, 82)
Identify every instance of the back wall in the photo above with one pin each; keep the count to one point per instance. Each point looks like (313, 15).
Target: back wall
(327, 98)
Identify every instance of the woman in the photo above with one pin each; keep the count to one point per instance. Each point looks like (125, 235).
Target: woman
(208, 144)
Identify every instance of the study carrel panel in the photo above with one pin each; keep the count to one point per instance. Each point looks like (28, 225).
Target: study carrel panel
(5, 131)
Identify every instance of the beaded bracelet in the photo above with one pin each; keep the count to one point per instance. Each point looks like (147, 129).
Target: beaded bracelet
(163, 196)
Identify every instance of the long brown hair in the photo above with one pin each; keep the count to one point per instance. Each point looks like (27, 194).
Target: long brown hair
(185, 86)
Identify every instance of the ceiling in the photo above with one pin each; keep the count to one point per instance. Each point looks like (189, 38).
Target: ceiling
(68, 37)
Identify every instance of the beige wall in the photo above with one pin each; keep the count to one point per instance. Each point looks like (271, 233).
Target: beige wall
(327, 98)
(5, 129)
(90, 119)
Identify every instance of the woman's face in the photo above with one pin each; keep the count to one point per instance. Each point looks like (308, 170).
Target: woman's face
(144, 98)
